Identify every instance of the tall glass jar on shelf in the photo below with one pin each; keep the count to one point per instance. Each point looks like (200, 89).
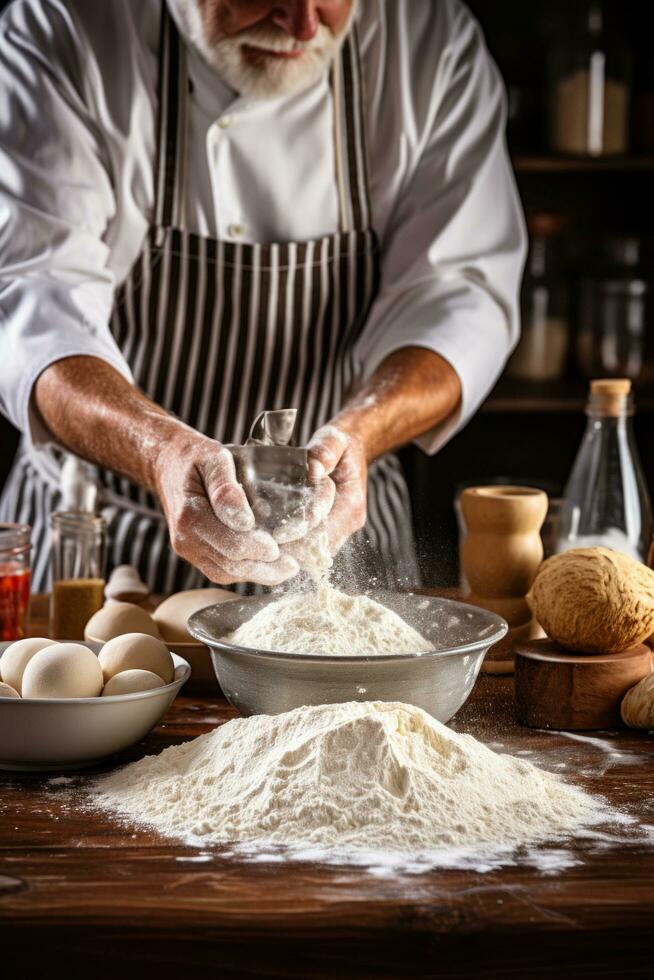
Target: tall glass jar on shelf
(543, 346)
(613, 311)
(590, 85)
(606, 501)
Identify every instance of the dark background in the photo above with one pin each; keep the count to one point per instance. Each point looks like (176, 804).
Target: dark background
(525, 431)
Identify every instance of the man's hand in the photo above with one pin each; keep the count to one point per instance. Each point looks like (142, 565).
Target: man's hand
(310, 515)
(338, 459)
(335, 453)
(209, 518)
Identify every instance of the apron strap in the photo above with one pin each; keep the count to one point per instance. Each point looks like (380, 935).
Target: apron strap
(350, 138)
(170, 176)
(349, 133)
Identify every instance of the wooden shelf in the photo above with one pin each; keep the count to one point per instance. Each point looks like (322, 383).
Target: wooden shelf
(542, 164)
(555, 397)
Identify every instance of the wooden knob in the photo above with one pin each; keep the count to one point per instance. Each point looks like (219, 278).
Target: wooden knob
(574, 692)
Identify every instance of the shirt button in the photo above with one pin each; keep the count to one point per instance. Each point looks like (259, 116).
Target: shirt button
(236, 231)
(225, 122)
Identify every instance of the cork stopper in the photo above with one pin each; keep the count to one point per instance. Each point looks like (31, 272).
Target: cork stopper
(610, 397)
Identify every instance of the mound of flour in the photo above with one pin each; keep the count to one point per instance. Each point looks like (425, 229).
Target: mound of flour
(346, 777)
(330, 623)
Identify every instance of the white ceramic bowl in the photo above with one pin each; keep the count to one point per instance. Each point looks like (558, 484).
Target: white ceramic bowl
(198, 657)
(67, 733)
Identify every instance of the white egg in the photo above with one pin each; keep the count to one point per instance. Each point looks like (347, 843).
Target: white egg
(17, 656)
(117, 619)
(131, 681)
(7, 691)
(64, 670)
(171, 616)
(136, 651)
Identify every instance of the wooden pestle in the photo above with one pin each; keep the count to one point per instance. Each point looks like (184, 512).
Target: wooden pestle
(501, 555)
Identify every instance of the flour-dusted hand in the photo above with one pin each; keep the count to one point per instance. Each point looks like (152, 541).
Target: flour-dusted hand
(209, 518)
(335, 454)
(310, 514)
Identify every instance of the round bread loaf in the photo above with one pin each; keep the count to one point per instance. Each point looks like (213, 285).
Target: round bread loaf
(594, 600)
(117, 619)
(637, 707)
(173, 613)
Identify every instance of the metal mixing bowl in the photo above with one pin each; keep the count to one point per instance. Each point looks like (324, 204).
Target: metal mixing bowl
(265, 682)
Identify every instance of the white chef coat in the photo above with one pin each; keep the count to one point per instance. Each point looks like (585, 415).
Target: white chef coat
(77, 145)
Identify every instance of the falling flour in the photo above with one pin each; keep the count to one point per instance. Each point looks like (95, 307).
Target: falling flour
(330, 623)
(345, 779)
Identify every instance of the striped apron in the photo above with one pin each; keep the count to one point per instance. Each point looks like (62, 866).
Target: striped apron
(216, 331)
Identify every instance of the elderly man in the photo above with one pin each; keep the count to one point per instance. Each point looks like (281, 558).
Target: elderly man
(213, 207)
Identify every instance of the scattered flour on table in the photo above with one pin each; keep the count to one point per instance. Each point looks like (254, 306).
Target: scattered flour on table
(330, 623)
(348, 778)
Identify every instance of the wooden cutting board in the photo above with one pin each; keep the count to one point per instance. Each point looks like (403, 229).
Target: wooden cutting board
(573, 691)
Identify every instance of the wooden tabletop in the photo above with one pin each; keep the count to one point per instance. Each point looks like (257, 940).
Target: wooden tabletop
(80, 890)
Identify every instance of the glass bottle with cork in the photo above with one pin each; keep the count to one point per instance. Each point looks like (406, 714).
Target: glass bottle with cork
(606, 501)
(78, 561)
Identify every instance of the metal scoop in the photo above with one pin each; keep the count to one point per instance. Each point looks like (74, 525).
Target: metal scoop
(274, 474)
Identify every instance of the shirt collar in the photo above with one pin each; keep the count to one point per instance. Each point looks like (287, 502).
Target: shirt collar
(210, 91)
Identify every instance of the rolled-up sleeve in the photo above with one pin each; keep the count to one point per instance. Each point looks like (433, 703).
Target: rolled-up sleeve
(56, 201)
(453, 251)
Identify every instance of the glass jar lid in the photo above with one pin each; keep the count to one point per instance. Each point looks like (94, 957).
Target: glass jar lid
(78, 522)
(15, 538)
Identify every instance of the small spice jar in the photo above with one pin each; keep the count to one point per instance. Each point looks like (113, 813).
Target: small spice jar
(15, 580)
(78, 559)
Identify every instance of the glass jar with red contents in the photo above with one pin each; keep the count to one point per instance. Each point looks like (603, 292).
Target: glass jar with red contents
(15, 580)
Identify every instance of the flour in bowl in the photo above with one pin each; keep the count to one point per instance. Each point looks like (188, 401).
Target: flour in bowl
(328, 622)
(348, 778)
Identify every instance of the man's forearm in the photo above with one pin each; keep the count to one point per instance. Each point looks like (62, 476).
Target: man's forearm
(411, 391)
(93, 411)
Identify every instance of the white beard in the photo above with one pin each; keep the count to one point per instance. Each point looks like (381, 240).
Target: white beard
(270, 78)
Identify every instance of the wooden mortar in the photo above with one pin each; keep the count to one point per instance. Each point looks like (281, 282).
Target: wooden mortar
(574, 691)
